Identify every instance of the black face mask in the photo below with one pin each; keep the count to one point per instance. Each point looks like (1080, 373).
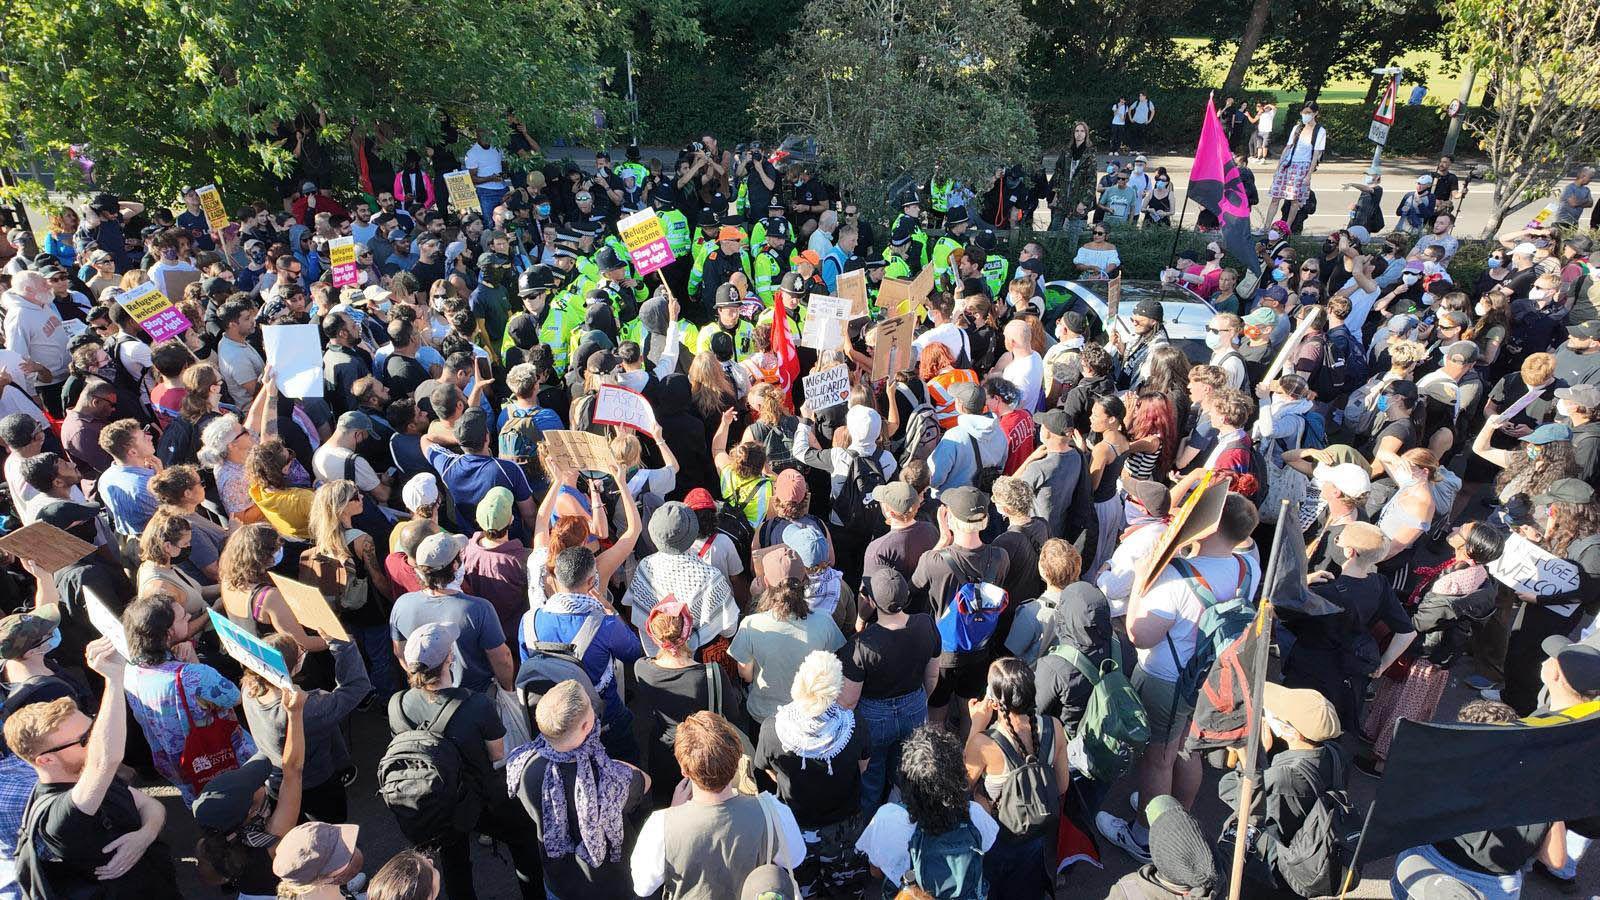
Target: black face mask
(181, 555)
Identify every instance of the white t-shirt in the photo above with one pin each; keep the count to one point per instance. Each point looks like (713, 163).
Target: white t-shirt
(486, 162)
(240, 364)
(948, 334)
(1230, 362)
(721, 555)
(1361, 303)
(1264, 122)
(1173, 599)
(1308, 142)
(330, 462)
(886, 841)
(1119, 113)
(1143, 111)
(1027, 373)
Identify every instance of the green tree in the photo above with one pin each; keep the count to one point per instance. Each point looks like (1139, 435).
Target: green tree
(1101, 35)
(168, 94)
(1542, 116)
(1312, 42)
(891, 88)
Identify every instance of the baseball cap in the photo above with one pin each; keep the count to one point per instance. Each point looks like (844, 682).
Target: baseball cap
(1350, 479)
(1359, 234)
(1525, 248)
(1584, 395)
(808, 543)
(1307, 710)
(1074, 321)
(965, 394)
(439, 550)
(769, 882)
(494, 510)
(1149, 309)
(312, 852)
(1261, 317)
(430, 644)
(308, 187)
(472, 429)
(888, 589)
(1579, 662)
(966, 504)
(1054, 420)
(422, 490)
(355, 420)
(1150, 495)
(1424, 179)
(19, 429)
(1566, 490)
(699, 499)
(897, 497)
(226, 799)
(790, 486)
(22, 632)
(1585, 331)
(1548, 434)
(1406, 390)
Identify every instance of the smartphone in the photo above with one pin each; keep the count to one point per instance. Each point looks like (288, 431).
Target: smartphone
(482, 369)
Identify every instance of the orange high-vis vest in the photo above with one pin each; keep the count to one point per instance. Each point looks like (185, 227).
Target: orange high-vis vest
(944, 407)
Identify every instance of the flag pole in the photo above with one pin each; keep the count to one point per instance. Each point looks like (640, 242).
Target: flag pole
(1355, 858)
(1177, 231)
(1252, 747)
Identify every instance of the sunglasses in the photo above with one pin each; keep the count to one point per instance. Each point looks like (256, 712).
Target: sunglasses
(1311, 269)
(1099, 234)
(81, 741)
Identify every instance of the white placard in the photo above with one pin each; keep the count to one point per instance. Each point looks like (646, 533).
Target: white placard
(106, 622)
(295, 354)
(825, 322)
(1290, 347)
(828, 388)
(1528, 568)
(616, 405)
(1522, 403)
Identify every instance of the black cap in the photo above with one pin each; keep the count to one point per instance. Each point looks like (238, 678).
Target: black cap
(534, 280)
(776, 226)
(472, 429)
(226, 799)
(608, 259)
(1585, 331)
(966, 504)
(1567, 490)
(64, 514)
(1149, 494)
(956, 216)
(888, 589)
(902, 233)
(794, 284)
(987, 239)
(1074, 321)
(586, 228)
(1055, 421)
(1579, 663)
(1405, 390)
(1149, 309)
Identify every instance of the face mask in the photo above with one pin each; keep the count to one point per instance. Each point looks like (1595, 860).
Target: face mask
(1279, 275)
(51, 642)
(1306, 118)
(1273, 235)
(181, 555)
(1161, 182)
(1533, 454)
(169, 253)
(544, 209)
(1404, 477)
(1495, 263)
(1563, 410)
(1482, 309)
(1537, 293)
(1383, 402)
(257, 256)
(1111, 169)
(277, 557)
(1138, 167)
(455, 583)
(1214, 341)
(1410, 277)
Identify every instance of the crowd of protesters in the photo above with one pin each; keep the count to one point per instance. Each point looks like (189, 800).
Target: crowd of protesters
(774, 646)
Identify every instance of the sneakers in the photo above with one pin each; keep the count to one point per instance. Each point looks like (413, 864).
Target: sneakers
(1490, 694)
(1478, 682)
(1120, 832)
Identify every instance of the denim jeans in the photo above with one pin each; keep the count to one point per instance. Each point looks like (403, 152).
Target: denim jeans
(890, 721)
(379, 653)
(1576, 845)
(488, 199)
(1492, 887)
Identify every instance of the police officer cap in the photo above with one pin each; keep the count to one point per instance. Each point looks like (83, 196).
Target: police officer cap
(728, 295)
(987, 240)
(876, 262)
(902, 233)
(534, 280)
(776, 226)
(794, 284)
(956, 216)
(588, 228)
(608, 259)
(663, 195)
(776, 206)
(707, 219)
(909, 198)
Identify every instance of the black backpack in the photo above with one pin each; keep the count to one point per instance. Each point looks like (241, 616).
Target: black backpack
(1315, 861)
(421, 778)
(854, 507)
(732, 521)
(985, 477)
(920, 432)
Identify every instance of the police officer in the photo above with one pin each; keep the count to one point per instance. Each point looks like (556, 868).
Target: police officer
(729, 321)
(758, 233)
(902, 245)
(796, 293)
(673, 222)
(622, 290)
(911, 217)
(728, 257)
(705, 241)
(956, 226)
(633, 166)
(996, 268)
(772, 260)
(939, 196)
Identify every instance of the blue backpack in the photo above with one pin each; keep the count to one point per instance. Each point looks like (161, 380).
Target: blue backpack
(948, 866)
(1221, 623)
(969, 619)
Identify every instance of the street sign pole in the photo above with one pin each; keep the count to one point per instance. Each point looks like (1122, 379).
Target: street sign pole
(1383, 117)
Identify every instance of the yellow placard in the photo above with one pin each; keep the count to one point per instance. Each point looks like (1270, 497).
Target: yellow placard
(342, 251)
(143, 301)
(461, 191)
(640, 229)
(211, 203)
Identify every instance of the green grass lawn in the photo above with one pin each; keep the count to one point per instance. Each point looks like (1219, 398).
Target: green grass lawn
(1442, 85)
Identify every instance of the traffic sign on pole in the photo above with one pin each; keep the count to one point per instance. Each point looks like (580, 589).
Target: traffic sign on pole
(1383, 116)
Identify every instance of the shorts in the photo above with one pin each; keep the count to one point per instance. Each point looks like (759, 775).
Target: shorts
(1168, 714)
(1292, 181)
(966, 677)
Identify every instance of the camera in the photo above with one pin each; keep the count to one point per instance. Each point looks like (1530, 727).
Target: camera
(697, 147)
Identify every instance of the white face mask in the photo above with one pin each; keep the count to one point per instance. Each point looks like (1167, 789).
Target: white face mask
(1214, 341)
(1481, 309)
(1306, 118)
(1537, 293)
(1410, 277)
(1404, 476)
(1430, 268)
(455, 583)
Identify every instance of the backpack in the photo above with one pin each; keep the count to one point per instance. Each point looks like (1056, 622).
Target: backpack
(854, 507)
(339, 580)
(920, 432)
(1029, 794)
(985, 476)
(732, 521)
(520, 438)
(420, 777)
(1221, 622)
(1315, 861)
(546, 664)
(1360, 418)
(948, 866)
(1261, 470)
(1114, 728)
(970, 618)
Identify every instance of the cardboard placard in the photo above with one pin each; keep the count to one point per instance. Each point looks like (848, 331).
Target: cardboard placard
(646, 239)
(342, 259)
(894, 295)
(1114, 294)
(1522, 403)
(295, 354)
(462, 193)
(617, 405)
(828, 388)
(46, 546)
(310, 608)
(155, 313)
(106, 622)
(178, 282)
(1528, 568)
(922, 285)
(826, 318)
(211, 204)
(852, 286)
(576, 450)
(892, 352)
(252, 652)
(1196, 520)
(1290, 348)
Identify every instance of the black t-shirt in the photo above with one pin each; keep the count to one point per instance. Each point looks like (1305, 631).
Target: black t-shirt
(819, 792)
(402, 375)
(758, 195)
(568, 876)
(475, 723)
(940, 574)
(902, 547)
(891, 662)
(1444, 185)
(1346, 640)
(67, 847)
(1503, 851)
(1403, 429)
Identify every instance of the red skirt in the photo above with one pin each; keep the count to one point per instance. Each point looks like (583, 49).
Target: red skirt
(1415, 697)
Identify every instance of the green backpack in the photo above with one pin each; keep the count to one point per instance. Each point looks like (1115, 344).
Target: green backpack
(1114, 727)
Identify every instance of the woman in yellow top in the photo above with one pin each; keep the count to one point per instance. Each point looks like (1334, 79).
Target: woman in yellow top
(744, 481)
(284, 507)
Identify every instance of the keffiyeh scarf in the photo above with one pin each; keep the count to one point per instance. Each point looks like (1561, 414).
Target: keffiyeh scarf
(814, 737)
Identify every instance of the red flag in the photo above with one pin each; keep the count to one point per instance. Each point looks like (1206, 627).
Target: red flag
(358, 150)
(1215, 183)
(783, 346)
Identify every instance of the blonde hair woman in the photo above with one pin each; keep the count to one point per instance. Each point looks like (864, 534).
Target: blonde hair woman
(336, 542)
